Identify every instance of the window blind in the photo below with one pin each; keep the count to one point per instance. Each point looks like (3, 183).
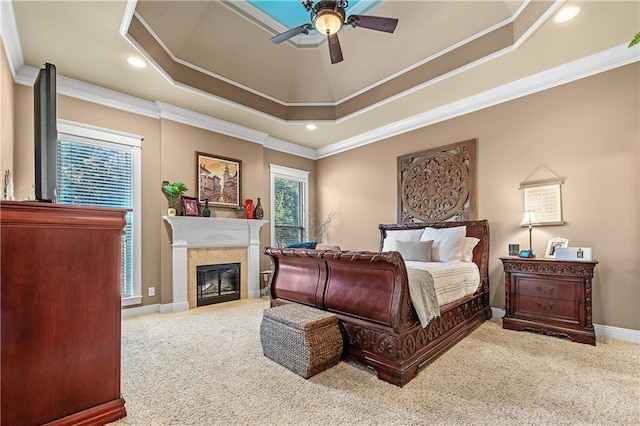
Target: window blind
(99, 176)
(289, 227)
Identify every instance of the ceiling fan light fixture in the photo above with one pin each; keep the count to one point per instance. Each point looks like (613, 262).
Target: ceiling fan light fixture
(328, 21)
(328, 17)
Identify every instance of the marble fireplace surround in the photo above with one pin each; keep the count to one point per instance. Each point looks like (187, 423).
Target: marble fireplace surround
(198, 233)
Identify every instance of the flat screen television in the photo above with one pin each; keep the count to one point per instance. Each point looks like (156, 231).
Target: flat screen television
(46, 133)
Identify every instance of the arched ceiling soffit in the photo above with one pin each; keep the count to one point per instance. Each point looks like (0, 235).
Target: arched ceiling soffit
(215, 48)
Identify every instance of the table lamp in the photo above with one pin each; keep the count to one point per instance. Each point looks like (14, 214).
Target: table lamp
(529, 219)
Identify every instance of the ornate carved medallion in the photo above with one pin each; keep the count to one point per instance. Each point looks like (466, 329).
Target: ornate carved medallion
(437, 184)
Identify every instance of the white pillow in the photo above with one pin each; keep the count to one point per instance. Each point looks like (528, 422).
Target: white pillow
(467, 248)
(447, 242)
(389, 243)
(419, 251)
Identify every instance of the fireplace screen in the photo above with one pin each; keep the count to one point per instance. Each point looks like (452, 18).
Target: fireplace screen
(218, 283)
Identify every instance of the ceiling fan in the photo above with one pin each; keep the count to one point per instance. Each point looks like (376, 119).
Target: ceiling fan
(328, 17)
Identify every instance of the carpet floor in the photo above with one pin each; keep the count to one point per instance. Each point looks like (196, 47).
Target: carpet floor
(206, 367)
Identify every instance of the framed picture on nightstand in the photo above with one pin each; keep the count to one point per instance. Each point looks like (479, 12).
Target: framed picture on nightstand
(553, 244)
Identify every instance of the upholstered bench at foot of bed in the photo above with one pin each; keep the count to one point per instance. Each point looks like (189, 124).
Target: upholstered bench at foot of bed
(303, 339)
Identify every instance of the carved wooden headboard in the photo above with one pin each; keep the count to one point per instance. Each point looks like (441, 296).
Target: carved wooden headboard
(438, 184)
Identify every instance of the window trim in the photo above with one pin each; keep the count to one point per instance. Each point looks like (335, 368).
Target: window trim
(86, 133)
(291, 174)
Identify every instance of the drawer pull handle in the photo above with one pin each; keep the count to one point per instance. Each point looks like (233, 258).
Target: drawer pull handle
(546, 308)
(541, 290)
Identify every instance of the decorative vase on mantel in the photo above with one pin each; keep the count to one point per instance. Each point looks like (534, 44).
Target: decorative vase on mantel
(206, 211)
(258, 213)
(248, 208)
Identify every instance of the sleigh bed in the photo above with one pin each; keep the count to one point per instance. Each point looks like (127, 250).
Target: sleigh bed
(369, 293)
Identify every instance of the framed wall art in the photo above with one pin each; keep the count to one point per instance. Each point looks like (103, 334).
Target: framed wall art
(543, 196)
(219, 180)
(438, 184)
(190, 206)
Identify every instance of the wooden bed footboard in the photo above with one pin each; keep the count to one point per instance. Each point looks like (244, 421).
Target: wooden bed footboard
(369, 293)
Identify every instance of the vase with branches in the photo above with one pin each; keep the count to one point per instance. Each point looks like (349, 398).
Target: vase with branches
(173, 191)
(319, 227)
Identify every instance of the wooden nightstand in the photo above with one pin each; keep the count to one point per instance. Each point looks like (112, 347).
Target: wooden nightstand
(549, 296)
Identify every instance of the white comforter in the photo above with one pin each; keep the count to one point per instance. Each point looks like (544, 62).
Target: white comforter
(433, 284)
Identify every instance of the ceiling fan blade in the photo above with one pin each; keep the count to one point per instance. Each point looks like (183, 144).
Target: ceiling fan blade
(378, 23)
(302, 29)
(334, 48)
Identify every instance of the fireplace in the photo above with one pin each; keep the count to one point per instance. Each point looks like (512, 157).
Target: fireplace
(217, 283)
(199, 241)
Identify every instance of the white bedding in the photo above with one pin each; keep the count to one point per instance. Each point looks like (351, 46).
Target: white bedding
(450, 280)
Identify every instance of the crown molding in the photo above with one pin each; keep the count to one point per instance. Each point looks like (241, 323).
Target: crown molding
(98, 95)
(290, 148)
(195, 67)
(600, 62)
(430, 58)
(203, 121)
(88, 92)
(129, 11)
(10, 37)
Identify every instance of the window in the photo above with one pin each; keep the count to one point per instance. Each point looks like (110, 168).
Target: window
(289, 205)
(101, 168)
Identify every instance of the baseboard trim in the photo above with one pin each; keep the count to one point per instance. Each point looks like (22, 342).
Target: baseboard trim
(141, 310)
(626, 334)
(157, 308)
(497, 312)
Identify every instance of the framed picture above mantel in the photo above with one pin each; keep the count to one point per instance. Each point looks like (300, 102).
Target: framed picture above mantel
(219, 180)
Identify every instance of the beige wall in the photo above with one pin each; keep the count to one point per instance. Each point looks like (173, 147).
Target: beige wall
(588, 132)
(6, 113)
(168, 153)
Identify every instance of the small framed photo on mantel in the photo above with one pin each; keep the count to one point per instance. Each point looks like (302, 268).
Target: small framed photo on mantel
(190, 206)
(553, 244)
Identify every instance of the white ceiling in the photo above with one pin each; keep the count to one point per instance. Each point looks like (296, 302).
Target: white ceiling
(87, 41)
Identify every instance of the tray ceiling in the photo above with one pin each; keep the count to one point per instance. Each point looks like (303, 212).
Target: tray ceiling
(215, 58)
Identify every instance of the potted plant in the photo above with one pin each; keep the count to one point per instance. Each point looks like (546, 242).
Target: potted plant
(173, 190)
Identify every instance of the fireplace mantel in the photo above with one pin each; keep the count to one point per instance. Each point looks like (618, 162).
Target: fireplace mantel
(205, 232)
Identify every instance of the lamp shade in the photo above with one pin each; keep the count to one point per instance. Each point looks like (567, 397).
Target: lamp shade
(529, 218)
(328, 21)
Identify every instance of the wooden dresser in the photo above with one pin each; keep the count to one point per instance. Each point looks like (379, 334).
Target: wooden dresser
(60, 300)
(549, 296)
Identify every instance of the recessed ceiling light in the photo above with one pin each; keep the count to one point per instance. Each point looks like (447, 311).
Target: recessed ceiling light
(566, 13)
(134, 61)
(311, 127)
